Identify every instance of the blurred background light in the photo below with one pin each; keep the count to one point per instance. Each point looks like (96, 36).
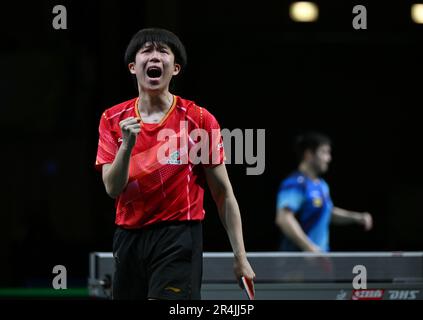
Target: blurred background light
(417, 12)
(304, 11)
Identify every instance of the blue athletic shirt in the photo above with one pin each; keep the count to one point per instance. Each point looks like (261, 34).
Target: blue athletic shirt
(310, 201)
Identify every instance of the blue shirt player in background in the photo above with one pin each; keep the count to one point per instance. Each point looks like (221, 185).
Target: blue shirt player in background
(304, 205)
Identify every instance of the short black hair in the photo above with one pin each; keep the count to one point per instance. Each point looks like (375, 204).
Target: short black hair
(156, 36)
(310, 141)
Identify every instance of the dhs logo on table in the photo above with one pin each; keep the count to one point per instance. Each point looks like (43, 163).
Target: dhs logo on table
(403, 294)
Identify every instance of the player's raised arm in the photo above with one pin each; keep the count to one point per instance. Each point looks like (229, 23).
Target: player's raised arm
(115, 175)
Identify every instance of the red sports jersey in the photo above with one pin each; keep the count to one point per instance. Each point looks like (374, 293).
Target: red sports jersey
(164, 183)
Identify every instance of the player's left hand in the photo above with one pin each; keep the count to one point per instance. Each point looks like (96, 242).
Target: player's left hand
(243, 268)
(367, 221)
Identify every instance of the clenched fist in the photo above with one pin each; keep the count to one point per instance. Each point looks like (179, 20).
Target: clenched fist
(130, 127)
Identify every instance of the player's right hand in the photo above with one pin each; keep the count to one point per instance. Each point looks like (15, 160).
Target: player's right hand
(130, 128)
(313, 248)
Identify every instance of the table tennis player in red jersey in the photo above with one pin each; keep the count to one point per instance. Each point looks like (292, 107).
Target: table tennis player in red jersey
(157, 246)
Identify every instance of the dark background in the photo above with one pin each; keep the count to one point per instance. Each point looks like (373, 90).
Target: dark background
(252, 68)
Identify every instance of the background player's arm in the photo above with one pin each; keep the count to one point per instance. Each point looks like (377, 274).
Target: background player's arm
(289, 225)
(342, 216)
(115, 174)
(221, 190)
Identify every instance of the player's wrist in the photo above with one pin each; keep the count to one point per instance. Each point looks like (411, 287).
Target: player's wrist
(126, 146)
(240, 255)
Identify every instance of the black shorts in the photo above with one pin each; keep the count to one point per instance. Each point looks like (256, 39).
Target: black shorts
(163, 261)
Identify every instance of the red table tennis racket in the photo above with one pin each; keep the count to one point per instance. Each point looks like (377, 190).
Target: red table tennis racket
(248, 286)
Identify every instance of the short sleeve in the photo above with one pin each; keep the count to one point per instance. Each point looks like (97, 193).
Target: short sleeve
(216, 151)
(290, 196)
(107, 144)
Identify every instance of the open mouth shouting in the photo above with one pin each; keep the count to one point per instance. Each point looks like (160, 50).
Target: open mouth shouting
(154, 72)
